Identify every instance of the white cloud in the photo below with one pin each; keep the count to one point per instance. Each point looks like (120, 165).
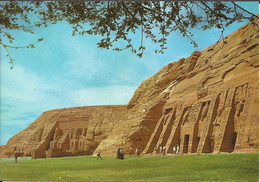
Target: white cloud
(17, 84)
(23, 87)
(82, 63)
(107, 95)
(25, 95)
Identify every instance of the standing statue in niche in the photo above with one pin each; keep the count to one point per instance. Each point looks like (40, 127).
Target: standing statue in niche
(239, 108)
(204, 111)
(186, 116)
(215, 132)
(239, 105)
(203, 115)
(239, 102)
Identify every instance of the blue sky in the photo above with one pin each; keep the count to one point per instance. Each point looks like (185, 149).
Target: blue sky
(67, 71)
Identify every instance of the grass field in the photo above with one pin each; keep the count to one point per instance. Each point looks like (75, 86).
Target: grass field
(223, 167)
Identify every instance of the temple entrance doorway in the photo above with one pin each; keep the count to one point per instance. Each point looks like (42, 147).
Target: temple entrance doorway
(186, 143)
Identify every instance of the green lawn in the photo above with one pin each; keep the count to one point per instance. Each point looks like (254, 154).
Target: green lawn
(223, 167)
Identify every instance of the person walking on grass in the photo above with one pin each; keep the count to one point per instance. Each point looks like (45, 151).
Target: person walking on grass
(99, 155)
(15, 158)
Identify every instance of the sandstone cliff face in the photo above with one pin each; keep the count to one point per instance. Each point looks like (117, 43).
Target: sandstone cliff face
(68, 131)
(206, 103)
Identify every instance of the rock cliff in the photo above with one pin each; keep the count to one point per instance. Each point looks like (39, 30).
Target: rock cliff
(67, 132)
(206, 103)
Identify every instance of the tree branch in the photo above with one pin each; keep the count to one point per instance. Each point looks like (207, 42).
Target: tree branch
(244, 9)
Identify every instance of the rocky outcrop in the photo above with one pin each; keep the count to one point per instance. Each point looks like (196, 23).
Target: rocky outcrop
(67, 132)
(206, 103)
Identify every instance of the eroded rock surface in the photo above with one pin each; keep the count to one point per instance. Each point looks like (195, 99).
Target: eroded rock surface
(206, 103)
(67, 132)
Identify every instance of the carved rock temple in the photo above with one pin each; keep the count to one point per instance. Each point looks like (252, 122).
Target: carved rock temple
(206, 103)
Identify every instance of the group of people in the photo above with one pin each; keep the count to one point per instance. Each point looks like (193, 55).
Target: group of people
(162, 150)
(176, 149)
(137, 151)
(157, 150)
(120, 152)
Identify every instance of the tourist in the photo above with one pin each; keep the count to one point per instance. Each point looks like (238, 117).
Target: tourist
(160, 150)
(99, 155)
(178, 149)
(174, 150)
(130, 151)
(137, 151)
(155, 149)
(15, 158)
(164, 150)
(121, 153)
(211, 144)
